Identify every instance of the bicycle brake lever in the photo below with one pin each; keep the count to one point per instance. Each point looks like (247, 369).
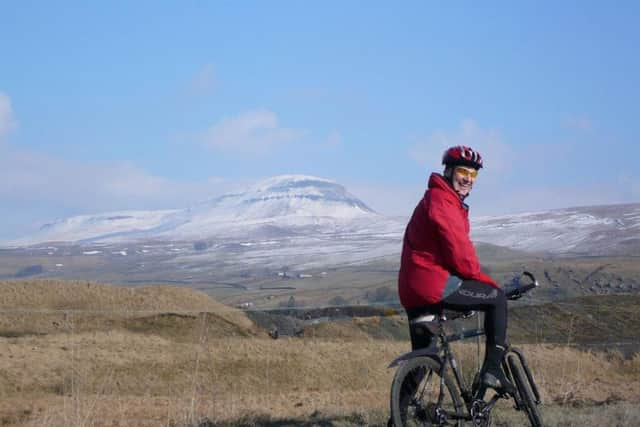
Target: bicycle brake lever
(516, 296)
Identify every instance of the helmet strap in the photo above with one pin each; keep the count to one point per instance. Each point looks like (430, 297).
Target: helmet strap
(448, 176)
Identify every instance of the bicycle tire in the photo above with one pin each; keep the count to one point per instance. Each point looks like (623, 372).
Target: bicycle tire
(404, 410)
(524, 390)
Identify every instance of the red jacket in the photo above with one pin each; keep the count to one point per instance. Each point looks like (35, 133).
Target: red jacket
(437, 245)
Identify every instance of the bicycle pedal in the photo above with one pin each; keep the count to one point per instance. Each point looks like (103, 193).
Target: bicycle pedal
(481, 412)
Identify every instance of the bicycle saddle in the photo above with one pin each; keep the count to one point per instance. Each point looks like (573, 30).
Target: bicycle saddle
(429, 320)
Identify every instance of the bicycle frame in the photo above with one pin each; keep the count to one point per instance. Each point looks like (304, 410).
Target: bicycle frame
(442, 353)
(449, 359)
(472, 398)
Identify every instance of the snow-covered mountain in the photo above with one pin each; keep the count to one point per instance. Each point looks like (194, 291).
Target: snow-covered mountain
(282, 205)
(311, 215)
(593, 230)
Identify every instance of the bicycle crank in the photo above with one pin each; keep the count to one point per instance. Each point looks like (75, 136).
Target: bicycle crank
(480, 413)
(431, 413)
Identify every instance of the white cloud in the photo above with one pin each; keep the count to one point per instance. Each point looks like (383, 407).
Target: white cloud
(545, 175)
(557, 175)
(428, 151)
(501, 197)
(7, 120)
(512, 199)
(40, 188)
(252, 132)
(388, 199)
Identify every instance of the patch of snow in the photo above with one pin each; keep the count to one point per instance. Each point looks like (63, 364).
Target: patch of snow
(275, 205)
(317, 222)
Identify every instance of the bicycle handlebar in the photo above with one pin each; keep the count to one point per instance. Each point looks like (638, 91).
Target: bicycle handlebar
(516, 289)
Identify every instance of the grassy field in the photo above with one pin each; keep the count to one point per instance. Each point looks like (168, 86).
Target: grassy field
(224, 274)
(78, 354)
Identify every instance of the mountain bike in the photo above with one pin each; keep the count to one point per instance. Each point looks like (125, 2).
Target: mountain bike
(429, 389)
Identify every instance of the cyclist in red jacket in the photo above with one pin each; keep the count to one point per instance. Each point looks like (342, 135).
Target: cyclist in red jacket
(439, 267)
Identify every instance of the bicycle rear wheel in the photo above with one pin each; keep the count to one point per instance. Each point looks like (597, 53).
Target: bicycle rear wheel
(414, 395)
(524, 390)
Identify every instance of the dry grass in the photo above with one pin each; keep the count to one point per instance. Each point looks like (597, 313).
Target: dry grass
(78, 296)
(53, 306)
(123, 378)
(145, 376)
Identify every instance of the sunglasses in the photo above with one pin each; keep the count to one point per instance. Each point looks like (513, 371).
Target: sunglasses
(467, 173)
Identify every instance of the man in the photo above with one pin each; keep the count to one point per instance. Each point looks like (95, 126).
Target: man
(439, 267)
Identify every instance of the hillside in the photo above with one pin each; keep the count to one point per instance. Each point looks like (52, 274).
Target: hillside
(609, 322)
(50, 306)
(578, 231)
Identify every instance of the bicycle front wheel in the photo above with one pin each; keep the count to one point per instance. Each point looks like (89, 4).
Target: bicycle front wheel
(524, 390)
(415, 396)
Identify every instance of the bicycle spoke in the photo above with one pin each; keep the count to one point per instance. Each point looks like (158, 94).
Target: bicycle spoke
(426, 383)
(426, 408)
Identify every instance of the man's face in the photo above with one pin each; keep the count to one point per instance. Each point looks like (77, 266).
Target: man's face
(463, 179)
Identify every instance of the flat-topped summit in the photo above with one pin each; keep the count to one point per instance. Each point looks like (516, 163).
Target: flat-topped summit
(290, 195)
(286, 202)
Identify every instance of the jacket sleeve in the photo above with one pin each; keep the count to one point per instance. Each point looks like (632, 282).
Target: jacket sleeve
(456, 249)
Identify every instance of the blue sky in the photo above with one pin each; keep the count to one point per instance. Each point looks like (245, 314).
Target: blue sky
(146, 105)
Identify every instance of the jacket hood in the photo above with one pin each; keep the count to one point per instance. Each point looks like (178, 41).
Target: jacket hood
(437, 181)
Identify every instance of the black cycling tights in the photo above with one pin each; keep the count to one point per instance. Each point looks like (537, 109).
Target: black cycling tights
(478, 296)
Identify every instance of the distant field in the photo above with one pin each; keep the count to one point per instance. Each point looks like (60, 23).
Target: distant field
(232, 278)
(78, 354)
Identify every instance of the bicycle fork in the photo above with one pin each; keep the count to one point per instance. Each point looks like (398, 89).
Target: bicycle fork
(508, 370)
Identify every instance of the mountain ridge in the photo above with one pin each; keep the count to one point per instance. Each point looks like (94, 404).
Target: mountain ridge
(586, 230)
(297, 210)
(288, 200)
